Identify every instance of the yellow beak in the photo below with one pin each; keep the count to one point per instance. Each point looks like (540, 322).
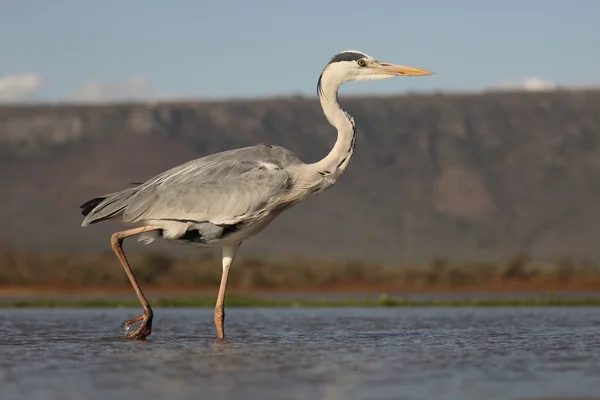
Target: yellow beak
(394, 69)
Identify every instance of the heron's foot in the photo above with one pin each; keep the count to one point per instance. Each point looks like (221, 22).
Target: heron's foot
(145, 328)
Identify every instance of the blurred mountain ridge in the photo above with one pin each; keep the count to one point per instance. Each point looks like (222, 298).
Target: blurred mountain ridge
(456, 175)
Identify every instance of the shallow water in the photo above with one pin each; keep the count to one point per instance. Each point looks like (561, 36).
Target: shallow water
(383, 353)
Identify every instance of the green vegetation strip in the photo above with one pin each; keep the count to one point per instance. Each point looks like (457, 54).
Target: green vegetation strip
(241, 301)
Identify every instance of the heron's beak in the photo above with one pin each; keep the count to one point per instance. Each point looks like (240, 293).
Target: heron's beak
(394, 69)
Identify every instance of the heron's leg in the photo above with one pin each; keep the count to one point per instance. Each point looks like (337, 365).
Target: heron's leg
(116, 242)
(228, 256)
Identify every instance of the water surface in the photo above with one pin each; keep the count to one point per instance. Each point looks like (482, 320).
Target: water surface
(362, 353)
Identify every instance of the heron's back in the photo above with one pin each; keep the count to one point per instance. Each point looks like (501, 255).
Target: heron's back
(222, 188)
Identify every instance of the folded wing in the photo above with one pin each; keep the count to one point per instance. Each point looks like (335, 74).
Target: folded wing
(224, 188)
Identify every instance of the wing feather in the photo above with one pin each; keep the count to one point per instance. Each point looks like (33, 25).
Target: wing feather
(224, 188)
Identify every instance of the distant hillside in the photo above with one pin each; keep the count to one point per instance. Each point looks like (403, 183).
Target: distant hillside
(464, 176)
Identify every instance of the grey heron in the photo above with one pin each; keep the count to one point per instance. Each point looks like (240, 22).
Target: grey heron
(225, 198)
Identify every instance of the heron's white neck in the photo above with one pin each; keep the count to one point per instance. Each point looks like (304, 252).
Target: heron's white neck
(337, 160)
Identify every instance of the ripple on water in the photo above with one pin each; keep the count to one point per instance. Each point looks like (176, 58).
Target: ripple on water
(445, 353)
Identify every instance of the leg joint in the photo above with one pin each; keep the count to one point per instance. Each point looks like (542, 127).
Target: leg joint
(148, 312)
(116, 240)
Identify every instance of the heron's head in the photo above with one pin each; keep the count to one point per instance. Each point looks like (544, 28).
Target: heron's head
(353, 65)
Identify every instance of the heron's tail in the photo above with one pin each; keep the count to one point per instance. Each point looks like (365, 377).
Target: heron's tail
(105, 207)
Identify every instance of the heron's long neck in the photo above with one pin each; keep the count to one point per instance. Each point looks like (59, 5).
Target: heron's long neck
(337, 160)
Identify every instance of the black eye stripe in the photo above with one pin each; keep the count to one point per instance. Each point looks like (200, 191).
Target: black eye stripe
(347, 56)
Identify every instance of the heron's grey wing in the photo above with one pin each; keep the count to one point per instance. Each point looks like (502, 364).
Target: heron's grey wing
(226, 164)
(224, 188)
(218, 201)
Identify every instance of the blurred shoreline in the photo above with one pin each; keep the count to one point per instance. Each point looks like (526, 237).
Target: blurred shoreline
(42, 276)
(10, 293)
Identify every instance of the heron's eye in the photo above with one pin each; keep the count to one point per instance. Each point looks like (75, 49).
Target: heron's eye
(362, 63)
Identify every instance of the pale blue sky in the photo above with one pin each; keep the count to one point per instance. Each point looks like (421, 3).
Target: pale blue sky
(212, 49)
